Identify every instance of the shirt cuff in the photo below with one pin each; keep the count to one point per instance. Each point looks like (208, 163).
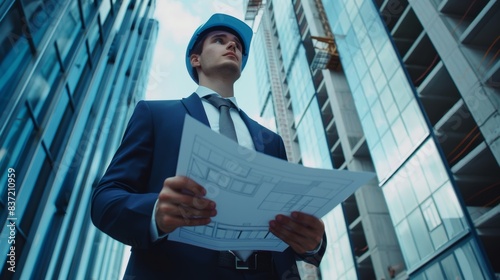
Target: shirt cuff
(153, 229)
(315, 251)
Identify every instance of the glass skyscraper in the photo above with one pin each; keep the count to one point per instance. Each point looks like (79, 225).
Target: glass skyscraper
(72, 72)
(409, 90)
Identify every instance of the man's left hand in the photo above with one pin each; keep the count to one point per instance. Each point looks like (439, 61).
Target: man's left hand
(301, 231)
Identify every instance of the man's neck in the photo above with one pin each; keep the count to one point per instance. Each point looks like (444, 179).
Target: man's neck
(223, 88)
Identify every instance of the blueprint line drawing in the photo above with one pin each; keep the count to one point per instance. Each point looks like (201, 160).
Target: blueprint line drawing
(251, 191)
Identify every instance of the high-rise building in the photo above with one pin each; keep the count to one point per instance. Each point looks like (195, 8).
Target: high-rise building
(72, 72)
(409, 90)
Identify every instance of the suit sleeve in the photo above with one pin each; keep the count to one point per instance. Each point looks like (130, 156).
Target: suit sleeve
(121, 206)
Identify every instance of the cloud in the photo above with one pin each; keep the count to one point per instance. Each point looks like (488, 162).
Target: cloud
(177, 22)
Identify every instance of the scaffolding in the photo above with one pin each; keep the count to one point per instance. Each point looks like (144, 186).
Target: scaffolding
(326, 56)
(252, 9)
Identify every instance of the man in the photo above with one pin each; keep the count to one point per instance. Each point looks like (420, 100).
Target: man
(140, 200)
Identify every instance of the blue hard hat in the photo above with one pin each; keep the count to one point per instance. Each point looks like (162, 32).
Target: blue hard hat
(224, 22)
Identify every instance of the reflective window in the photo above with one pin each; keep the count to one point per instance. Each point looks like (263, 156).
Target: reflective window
(14, 147)
(431, 216)
(467, 261)
(406, 193)
(370, 132)
(393, 202)
(40, 15)
(94, 39)
(391, 61)
(360, 100)
(369, 90)
(55, 118)
(414, 122)
(378, 76)
(60, 136)
(301, 85)
(288, 31)
(379, 118)
(416, 177)
(450, 211)
(434, 272)
(338, 260)
(42, 83)
(88, 8)
(401, 135)
(312, 139)
(104, 10)
(380, 161)
(69, 30)
(432, 165)
(457, 263)
(401, 90)
(14, 54)
(391, 151)
(77, 69)
(408, 247)
(450, 267)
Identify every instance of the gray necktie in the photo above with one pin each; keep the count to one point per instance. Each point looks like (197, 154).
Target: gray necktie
(226, 125)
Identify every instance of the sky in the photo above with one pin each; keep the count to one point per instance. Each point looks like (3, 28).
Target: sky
(178, 20)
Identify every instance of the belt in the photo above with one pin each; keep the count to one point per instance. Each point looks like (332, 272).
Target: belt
(259, 261)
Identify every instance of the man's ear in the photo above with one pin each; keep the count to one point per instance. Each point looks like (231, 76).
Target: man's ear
(195, 60)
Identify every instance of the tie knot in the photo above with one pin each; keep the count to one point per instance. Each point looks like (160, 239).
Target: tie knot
(219, 102)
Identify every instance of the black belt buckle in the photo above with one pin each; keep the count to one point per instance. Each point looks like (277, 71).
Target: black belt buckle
(247, 265)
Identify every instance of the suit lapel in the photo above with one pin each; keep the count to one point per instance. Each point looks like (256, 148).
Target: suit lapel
(255, 132)
(195, 108)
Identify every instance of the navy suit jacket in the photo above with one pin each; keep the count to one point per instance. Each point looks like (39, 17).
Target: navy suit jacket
(122, 203)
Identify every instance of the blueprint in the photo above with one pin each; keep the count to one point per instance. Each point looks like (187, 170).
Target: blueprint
(251, 188)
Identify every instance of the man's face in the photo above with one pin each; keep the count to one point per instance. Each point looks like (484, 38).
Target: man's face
(221, 55)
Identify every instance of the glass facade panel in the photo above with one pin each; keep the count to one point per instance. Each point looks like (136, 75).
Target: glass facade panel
(94, 37)
(288, 30)
(450, 268)
(69, 31)
(459, 263)
(407, 243)
(420, 233)
(56, 158)
(432, 166)
(417, 179)
(75, 73)
(393, 202)
(401, 135)
(340, 261)
(14, 54)
(300, 84)
(42, 83)
(40, 14)
(381, 123)
(312, 139)
(15, 144)
(401, 90)
(414, 122)
(434, 272)
(55, 118)
(467, 261)
(449, 210)
(88, 8)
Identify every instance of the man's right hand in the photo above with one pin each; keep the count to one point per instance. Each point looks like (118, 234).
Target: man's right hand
(182, 202)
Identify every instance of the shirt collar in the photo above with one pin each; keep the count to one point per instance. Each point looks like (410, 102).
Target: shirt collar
(204, 91)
